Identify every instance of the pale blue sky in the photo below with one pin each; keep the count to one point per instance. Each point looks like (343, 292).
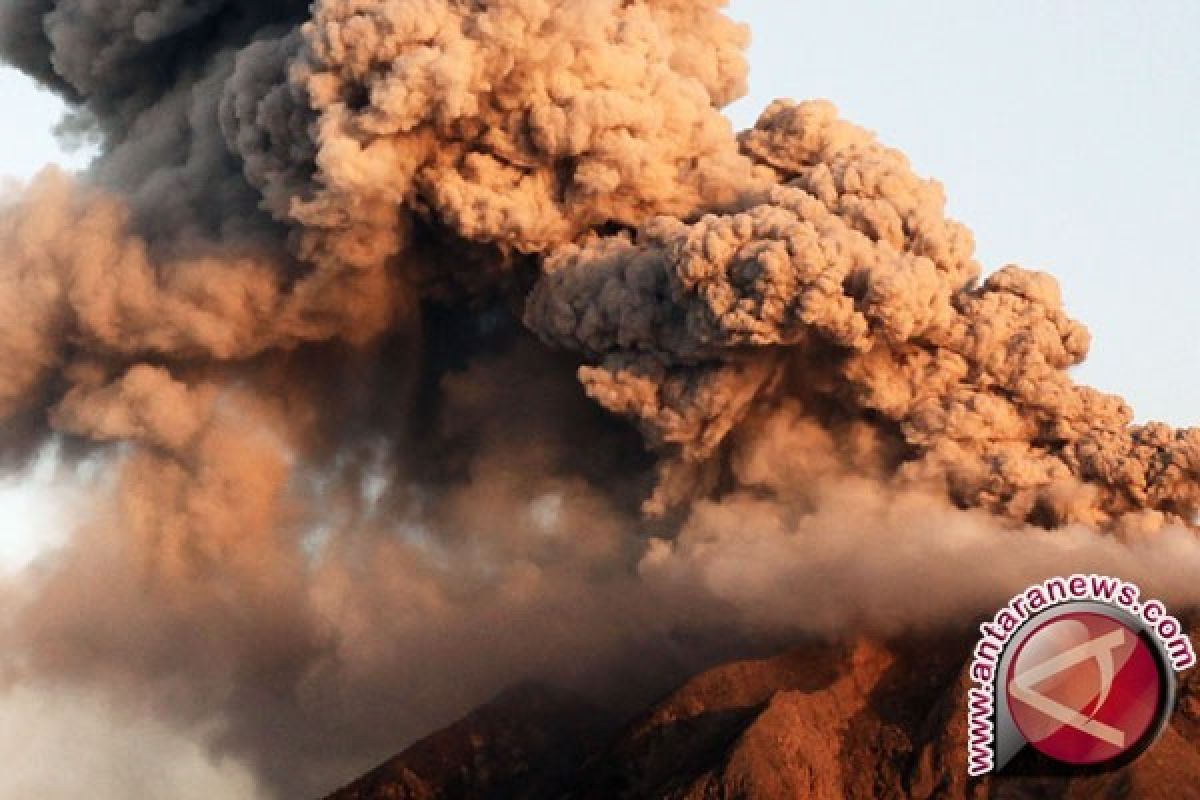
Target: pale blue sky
(1065, 133)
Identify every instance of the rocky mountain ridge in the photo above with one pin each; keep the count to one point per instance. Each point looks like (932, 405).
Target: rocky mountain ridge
(867, 719)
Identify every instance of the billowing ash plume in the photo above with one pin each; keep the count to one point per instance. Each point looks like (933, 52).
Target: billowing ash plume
(847, 284)
(320, 326)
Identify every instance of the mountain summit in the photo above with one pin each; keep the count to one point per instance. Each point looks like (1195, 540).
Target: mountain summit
(863, 720)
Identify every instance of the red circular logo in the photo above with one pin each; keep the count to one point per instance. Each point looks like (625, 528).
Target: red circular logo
(1084, 688)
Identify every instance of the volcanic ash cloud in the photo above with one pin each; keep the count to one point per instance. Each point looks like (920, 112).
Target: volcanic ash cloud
(412, 348)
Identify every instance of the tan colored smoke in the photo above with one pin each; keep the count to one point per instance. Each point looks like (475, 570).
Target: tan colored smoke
(296, 318)
(847, 287)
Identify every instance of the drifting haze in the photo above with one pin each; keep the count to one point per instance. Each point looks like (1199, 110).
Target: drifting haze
(428, 346)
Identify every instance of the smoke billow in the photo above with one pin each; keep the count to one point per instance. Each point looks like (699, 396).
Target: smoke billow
(411, 348)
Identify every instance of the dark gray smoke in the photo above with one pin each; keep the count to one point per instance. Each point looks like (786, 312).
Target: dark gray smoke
(424, 346)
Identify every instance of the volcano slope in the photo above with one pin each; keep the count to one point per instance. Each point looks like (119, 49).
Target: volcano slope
(868, 719)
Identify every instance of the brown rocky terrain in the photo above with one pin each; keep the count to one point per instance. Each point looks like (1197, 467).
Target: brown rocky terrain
(862, 720)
